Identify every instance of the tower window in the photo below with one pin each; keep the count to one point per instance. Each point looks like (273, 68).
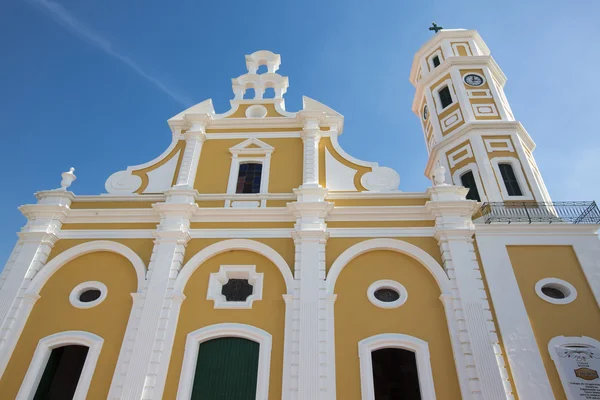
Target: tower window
(445, 96)
(468, 180)
(436, 61)
(395, 374)
(510, 180)
(249, 178)
(62, 372)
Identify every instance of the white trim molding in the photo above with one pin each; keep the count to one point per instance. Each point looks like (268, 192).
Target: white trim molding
(387, 284)
(81, 288)
(227, 272)
(234, 244)
(195, 339)
(580, 349)
(42, 354)
(399, 341)
(89, 247)
(400, 246)
(565, 287)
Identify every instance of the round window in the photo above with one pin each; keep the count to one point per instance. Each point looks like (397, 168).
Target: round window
(387, 294)
(88, 294)
(555, 291)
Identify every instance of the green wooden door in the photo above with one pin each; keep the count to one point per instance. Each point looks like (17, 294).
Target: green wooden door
(227, 369)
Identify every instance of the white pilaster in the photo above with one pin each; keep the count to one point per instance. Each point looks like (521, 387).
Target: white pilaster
(311, 135)
(194, 139)
(142, 379)
(314, 379)
(36, 240)
(488, 379)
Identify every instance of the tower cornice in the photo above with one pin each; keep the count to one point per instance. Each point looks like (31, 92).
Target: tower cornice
(435, 41)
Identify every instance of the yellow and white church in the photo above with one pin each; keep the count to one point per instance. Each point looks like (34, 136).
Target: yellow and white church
(256, 259)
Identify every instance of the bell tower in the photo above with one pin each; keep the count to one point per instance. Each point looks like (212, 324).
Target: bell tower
(468, 125)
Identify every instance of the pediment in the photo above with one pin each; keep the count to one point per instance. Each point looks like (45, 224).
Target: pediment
(252, 146)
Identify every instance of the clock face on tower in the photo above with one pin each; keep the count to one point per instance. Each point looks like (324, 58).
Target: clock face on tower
(473, 80)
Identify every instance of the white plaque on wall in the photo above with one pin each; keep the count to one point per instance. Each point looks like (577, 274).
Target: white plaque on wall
(578, 362)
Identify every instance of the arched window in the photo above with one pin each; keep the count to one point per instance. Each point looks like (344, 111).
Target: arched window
(395, 374)
(62, 366)
(395, 366)
(249, 177)
(226, 362)
(510, 180)
(468, 180)
(227, 369)
(62, 372)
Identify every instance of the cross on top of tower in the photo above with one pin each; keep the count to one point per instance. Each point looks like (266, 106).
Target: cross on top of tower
(435, 27)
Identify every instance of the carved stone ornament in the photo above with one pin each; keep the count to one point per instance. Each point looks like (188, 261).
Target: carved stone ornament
(381, 179)
(67, 179)
(438, 176)
(122, 182)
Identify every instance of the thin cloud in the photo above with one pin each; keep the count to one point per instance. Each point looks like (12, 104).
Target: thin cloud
(66, 19)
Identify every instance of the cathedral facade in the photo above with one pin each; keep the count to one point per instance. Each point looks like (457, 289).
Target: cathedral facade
(256, 259)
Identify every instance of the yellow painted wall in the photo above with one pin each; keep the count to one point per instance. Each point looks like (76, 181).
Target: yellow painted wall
(215, 162)
(579, 318)
(336, 246)
(356, 319)
(197, 312)
(142, 247)
(53, 313)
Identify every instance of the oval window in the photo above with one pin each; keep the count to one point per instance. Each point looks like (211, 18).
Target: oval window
(89, 295)
(555, 291)
(386, 295)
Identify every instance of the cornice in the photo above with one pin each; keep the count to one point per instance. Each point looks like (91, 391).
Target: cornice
(463, 132)
(435, 41)
(379, 213)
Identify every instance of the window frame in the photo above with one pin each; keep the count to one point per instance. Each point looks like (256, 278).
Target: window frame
(243, 153)
(82, 287)
(195, 339)
(475, 169)
(437, 98)
(460, 177)
(437, 53)
(570, 296)
(387, 284)
(42, 354)
(519, 174)
(226, 272)
(399, 341)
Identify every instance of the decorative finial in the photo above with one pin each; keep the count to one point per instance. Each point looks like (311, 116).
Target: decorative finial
(435, 27)
(438, 176)
(67, 179)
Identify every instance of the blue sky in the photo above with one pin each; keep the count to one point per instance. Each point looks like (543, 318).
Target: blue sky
(90, 84)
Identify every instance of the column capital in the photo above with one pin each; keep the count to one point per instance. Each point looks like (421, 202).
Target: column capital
(307, 193)
(315, 236)
(197, 122)
(48, 237)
